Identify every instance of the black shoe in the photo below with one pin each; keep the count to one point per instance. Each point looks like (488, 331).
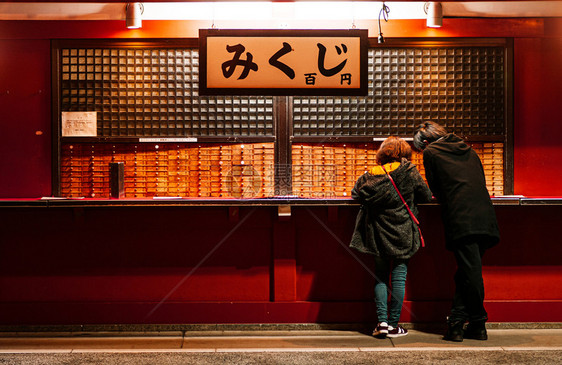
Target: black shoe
(476, 331)
(455, 331)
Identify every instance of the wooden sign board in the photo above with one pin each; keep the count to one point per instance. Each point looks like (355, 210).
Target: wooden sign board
(283, 62)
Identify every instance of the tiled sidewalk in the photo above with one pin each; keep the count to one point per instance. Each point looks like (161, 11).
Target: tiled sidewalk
(273, 341)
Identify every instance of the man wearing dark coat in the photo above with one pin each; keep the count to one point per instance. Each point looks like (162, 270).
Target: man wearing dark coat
(456, 177)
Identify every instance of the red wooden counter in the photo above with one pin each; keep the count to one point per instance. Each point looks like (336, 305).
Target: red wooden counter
(185, 261)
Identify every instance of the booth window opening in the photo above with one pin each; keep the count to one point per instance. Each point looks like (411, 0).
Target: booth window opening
(175, 142)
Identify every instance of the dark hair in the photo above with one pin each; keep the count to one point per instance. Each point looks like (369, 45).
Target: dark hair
(426, 133)
(393, 149)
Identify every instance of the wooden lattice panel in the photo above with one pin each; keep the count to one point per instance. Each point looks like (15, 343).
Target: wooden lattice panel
(330, 170)
(492, 156)
(169, 170)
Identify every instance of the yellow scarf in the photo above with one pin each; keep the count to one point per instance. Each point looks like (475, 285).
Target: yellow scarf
(377, 170)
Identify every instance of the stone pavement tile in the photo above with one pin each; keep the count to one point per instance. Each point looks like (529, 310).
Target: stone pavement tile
(284, 340)
(156, 342)
(424, 339)
(282, 333)
(526, 338)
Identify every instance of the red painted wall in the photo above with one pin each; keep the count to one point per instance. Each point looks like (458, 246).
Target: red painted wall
(537, 116)
(25, 119)
(25, 109)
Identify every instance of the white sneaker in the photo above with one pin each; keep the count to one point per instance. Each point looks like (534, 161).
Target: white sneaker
(399, 331)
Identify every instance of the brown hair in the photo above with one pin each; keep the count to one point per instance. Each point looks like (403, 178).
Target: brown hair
(427, 133)
(393, 149)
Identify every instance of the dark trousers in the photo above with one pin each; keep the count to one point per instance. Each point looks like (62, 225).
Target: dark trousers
(468, 301)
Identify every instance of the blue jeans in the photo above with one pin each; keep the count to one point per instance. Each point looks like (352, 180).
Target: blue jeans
(391, 271)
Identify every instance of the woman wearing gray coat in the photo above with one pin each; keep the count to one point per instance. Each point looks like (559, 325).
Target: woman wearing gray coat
(385, 229)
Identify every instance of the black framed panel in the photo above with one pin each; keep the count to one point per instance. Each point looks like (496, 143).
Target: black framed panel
(147, 91)
(277, 82)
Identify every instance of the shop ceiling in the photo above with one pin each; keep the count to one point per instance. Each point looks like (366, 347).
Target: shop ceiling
(188, 10)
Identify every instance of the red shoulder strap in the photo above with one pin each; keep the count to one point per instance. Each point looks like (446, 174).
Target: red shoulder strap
(406, 205)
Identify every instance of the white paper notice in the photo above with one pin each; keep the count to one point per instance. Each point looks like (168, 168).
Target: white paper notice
(79, 124)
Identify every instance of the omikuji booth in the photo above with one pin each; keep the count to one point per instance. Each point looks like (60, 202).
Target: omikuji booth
(198, 168)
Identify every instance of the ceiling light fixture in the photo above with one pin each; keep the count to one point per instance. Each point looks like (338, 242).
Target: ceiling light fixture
(434, 13)
(384, 13)
(133, 15)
